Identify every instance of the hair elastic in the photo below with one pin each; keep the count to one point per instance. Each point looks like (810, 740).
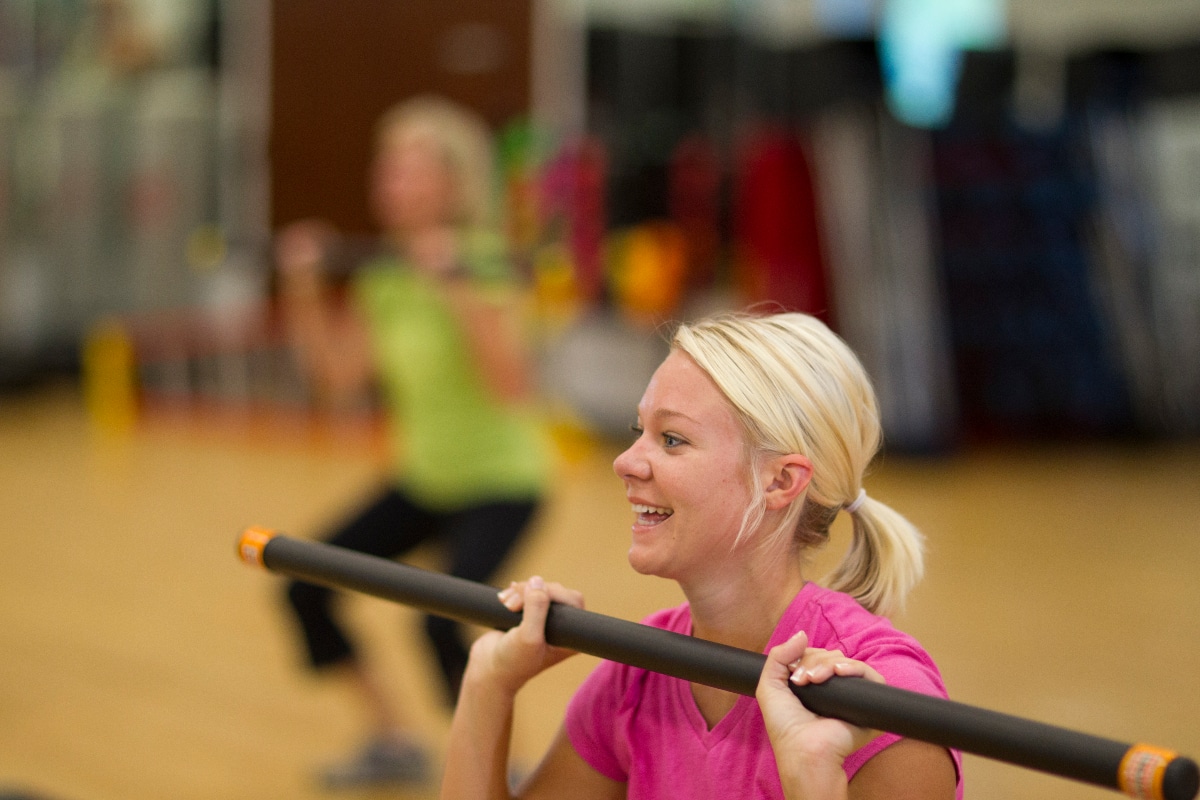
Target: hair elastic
(856, 504)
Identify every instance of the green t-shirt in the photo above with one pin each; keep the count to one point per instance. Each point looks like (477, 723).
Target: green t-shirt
(454, 442)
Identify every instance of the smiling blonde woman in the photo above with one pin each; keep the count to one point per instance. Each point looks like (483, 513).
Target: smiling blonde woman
(752, 435)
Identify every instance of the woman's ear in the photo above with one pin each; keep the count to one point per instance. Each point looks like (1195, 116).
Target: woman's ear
(785, 478)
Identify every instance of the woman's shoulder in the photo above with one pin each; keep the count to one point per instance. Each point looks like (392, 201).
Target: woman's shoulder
(835, 620)
(378, 273)
(486, 255)
(677, 619)
(384, 282)
(623, 684)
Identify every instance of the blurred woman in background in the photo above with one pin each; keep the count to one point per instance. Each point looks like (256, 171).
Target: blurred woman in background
(434, 322)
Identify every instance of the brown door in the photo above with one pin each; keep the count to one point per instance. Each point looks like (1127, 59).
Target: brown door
(338, 64)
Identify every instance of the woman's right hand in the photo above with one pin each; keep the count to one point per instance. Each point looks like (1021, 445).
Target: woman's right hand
(809, 749)
(509, 659)
(300, 250)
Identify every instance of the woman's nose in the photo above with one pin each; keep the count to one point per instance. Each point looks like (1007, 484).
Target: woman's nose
(632, 463)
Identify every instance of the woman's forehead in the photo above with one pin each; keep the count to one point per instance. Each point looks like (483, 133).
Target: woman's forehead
(410, 139)
(680, 388)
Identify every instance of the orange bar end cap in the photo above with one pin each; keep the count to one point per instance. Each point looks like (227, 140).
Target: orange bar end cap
(251, 544)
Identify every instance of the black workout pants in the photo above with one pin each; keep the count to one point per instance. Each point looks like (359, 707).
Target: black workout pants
(477, 537)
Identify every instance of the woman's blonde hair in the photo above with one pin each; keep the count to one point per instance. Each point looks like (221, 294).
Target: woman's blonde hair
(798, 388)
(465, 142)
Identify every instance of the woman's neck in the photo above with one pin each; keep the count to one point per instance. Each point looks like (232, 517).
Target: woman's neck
(433, 249)
(404, 238)
(744, 611)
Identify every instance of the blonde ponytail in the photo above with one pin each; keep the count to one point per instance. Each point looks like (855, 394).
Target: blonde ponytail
(884, 561)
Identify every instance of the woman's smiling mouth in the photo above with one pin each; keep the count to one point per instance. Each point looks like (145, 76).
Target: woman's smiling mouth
(650, 515)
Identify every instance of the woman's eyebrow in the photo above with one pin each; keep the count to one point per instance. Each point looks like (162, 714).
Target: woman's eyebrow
(666, 413)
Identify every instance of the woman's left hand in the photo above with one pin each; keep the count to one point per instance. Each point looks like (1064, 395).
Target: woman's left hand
(804, 742)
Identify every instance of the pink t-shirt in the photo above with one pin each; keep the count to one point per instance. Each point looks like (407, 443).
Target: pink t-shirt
(643, 728)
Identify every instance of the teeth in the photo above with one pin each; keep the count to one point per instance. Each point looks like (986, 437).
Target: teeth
(640, 509)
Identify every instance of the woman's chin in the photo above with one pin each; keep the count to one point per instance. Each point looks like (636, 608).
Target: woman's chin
(645, 563)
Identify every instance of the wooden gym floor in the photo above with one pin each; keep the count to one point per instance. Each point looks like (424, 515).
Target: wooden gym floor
(140, 661)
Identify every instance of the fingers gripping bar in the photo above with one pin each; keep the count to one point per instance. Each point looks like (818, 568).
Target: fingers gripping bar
(1139, 770)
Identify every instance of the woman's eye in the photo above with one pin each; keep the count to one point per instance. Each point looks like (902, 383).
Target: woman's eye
(668, 439)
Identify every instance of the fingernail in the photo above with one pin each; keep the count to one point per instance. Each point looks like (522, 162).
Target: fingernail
(536, 582)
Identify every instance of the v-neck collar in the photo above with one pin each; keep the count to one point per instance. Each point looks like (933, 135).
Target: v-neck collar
(711, 737)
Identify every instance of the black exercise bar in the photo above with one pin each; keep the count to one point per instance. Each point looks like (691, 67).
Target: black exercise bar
(1140, 771)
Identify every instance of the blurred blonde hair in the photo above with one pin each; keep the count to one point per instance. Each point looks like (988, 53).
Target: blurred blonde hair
(798, 388)
(465, 141)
